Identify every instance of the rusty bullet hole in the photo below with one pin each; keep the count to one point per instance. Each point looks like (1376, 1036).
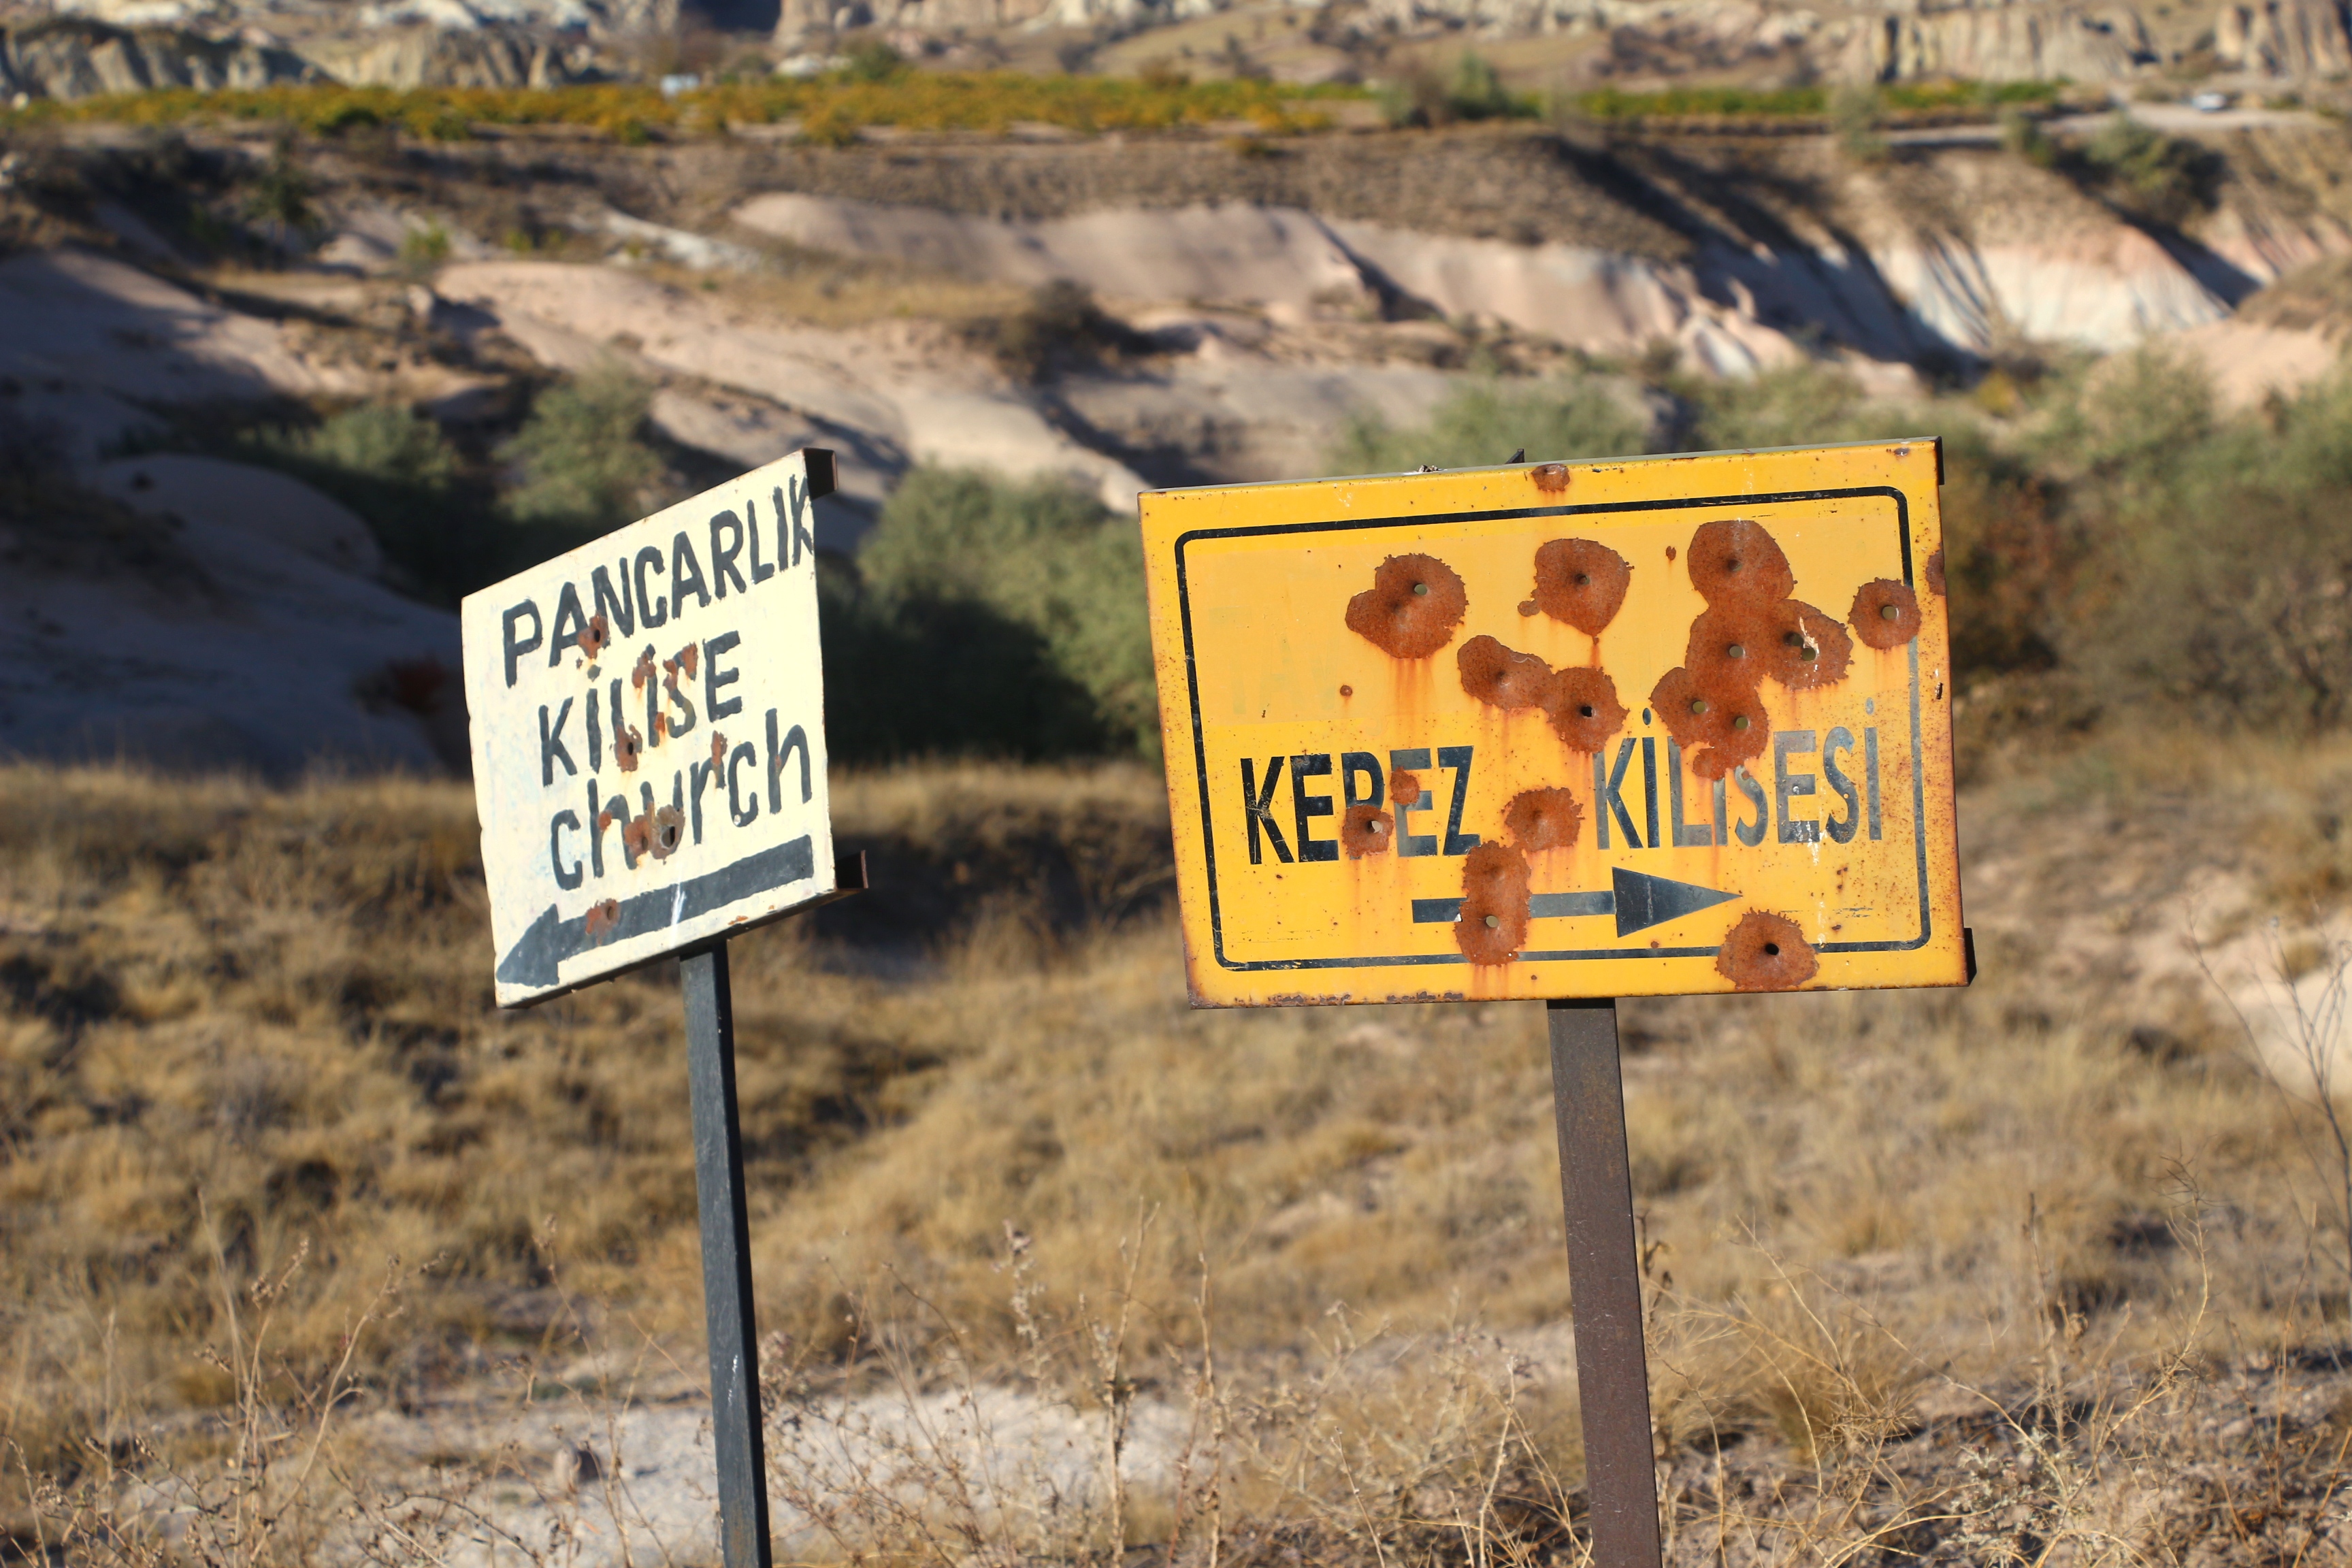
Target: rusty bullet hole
(1493, 926)
(1346, 691)
(601, 919)
(1678, 700)
(1812, 649)
(1404, 788)
(1527, 607)
(1583, 708)
(718, 749)
(1718, 724)
(1886, 614)
(689, 658)
(1670, 553)
(1502, 678)
(595, 635)
(1413, 608)
(1766, 953)
(1540, 820)
(1935, 574)
(1718, 652)
(1549, 477)
(643, 672)
(1364, 831)
(1735, 563)
(1580, 583)
(669, 830)
(627, 747)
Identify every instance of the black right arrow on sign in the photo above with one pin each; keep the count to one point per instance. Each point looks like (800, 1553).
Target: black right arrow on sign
(1638, 900)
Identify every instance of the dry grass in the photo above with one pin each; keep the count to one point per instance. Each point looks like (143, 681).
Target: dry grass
(245, 1023)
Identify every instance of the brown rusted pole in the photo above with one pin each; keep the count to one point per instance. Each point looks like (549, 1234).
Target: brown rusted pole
(1604, 1273)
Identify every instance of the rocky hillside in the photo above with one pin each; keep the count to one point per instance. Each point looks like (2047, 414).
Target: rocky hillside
(69, 49)
(1105, 314)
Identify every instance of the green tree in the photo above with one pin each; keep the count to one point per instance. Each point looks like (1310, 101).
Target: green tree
(1043, 556)
(399, 473)
(385, 442)
(582, 458)
(1476, 92)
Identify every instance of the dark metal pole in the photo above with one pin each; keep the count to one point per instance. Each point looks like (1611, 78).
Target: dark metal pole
(726, 1260)
(1605, 1274)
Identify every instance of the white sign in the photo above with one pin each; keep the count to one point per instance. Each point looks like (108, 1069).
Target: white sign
(648, 722)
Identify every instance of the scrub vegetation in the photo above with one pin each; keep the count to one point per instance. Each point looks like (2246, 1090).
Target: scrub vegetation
(1005, 618)
(964, 566)
(878, 89)
(828, 109)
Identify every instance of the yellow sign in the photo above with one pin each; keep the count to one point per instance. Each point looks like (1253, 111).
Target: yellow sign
(1615, 728)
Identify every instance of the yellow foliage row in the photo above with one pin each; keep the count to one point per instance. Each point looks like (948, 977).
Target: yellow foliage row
(829, 108)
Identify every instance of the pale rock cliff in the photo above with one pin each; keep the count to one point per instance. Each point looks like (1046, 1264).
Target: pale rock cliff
(2027, 40)
(76, 59)
(441, 57)
(2291, 38)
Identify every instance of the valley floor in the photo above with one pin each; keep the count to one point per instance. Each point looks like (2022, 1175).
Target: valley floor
(311, 1253)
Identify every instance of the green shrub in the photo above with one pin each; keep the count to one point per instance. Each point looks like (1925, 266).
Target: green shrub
(1857, 112)
(398, 471)
(1800, 405)
(872, 61)
(2022, 135)
(2165, 179)
(384, 442)
(944, 676)
(280, 195)
(1041, 580)
(1476, 92)
(2224, 565)
(1481, 422)
(2012, 556)
(2129, 425)
(422, 250)
(582, 460)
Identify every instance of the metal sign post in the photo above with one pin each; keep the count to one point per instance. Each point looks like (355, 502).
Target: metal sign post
(1604, 1276)
(1567, 731)
(726, 1259)
(649, 767)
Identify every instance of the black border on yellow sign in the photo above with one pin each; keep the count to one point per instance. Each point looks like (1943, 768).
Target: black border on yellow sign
(1427, 519)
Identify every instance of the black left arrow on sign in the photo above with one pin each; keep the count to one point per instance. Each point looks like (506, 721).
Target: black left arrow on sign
(1638, 900)
(551, 939)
